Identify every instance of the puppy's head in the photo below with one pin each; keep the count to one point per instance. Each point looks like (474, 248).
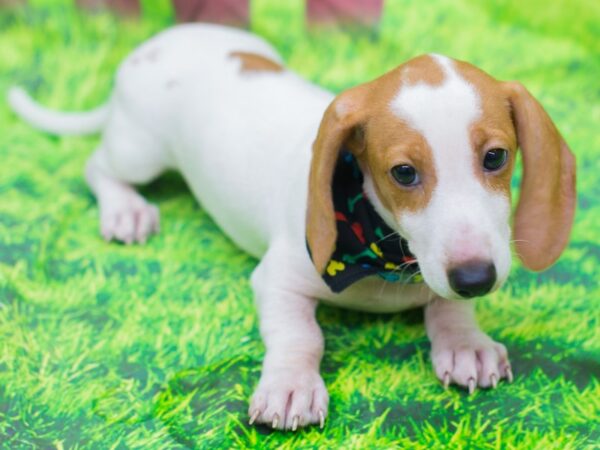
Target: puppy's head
(437, 141)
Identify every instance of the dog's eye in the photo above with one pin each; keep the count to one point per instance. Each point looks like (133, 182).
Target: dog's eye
(405, 175)
(494, 159)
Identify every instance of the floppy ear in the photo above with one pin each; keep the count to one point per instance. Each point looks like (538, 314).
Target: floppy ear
(341, 127)
(544, 215)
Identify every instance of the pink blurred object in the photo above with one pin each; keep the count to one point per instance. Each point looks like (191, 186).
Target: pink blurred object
(344, 12)
(237, 12)
(319, 12)
(9, 3)
(124, 7)
(225, 12)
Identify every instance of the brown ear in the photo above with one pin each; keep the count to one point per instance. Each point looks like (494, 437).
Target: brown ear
(546, 208)
(340, 127)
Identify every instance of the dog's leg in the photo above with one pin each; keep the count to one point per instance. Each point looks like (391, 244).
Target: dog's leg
(291, 393)
(127, 155)
(124, 214)
(460, 351)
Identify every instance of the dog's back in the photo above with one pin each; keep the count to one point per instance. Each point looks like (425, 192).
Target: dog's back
(216, 104)
(240, 126)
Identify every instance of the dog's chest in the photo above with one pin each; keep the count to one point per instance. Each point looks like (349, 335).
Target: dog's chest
(374, 294)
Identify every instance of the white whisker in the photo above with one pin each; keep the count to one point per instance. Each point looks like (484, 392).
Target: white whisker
(518, 240)
(385, 237)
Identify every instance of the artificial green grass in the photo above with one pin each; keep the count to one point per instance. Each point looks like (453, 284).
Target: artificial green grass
(157, 346)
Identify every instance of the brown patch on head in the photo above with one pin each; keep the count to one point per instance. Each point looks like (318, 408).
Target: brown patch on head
(493, 129)
(253, 62)
(511, 117)
(390, 141)
(362, 121)
(422, 69)
(484, 139)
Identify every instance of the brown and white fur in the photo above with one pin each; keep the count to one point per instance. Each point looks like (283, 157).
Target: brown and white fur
(257, 145)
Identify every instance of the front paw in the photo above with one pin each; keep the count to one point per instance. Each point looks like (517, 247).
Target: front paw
(469, 360)
(287, 399)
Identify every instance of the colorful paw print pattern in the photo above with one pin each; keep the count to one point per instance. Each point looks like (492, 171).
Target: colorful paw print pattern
(365, 244)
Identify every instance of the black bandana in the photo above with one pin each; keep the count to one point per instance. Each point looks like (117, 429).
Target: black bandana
(365, 245)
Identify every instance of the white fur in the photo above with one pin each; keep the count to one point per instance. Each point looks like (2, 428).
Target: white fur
(243, 141)
(47, 120)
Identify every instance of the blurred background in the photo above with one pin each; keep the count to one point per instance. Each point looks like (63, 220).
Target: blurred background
(157, 346)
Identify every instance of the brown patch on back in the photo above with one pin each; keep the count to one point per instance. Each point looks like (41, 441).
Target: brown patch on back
(253, 62)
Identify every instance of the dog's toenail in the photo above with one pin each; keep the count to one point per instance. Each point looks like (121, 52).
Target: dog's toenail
(493, 380)
(446, 380)
(471, 385)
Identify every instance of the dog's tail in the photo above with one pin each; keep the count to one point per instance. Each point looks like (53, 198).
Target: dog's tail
(56, 122)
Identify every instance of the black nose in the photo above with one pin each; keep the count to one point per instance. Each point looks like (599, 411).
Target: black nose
(472, 279)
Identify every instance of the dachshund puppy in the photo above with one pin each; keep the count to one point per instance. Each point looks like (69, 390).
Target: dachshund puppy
(401, 181)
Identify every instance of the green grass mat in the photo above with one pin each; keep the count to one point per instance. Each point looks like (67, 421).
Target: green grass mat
(157, 346)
